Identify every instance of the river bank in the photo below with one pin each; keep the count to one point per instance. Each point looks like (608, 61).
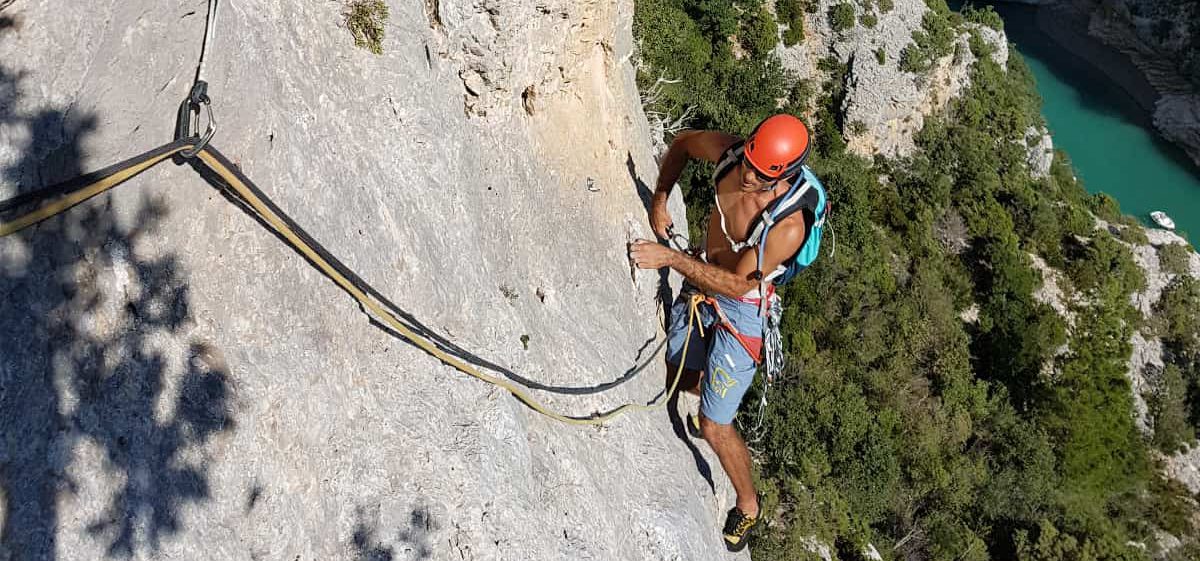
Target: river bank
(1067, 25)
(1099, 109)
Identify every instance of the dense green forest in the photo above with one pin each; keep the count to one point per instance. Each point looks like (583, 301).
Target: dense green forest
(899, 423)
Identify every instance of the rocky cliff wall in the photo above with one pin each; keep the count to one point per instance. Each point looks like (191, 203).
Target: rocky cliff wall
(1160, 39)
(175, 383)
(885, 106)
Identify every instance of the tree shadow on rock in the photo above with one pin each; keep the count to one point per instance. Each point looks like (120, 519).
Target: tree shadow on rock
(88, 332)
(415, 540)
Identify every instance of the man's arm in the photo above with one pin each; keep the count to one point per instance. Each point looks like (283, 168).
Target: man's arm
(783, 241)
(688, 145)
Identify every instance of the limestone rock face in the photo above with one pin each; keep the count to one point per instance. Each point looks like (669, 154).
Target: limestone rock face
(1184, 467)
(1178, 117)
(1146, 360)
(1160, 38)
(885, 106)
(176, 384)
(1041, 152)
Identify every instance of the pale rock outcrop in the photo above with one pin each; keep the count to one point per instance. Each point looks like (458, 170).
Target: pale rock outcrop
(1146, 362)
(176, 384)
(1177, 116)
(818, 548)
(1146, 359)
(1041, 152)
(885, 106)
(1144, 372)
(1158, 37)
(1184, 467)
(1050, 292)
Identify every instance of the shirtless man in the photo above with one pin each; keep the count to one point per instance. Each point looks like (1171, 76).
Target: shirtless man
(722, 366)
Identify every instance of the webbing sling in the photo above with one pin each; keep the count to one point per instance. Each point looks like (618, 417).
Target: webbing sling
(80, 189)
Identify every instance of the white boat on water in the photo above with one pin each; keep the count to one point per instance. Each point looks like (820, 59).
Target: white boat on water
(1159, 217)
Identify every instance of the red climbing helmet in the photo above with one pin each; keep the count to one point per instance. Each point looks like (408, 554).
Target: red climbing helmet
(778, 146)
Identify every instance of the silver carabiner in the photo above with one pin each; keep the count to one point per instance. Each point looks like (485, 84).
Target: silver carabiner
(209, 131)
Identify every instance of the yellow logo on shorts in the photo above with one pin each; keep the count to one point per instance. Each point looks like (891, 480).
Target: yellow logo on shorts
(721, 381)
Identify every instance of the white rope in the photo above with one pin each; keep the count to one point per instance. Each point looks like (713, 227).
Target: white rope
(210, 26)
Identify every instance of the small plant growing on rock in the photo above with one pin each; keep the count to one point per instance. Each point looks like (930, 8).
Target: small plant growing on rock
(1133, 234)
(934, 40)
(880, 56)
(986, 16)
(886, 6)
(791, 14)
(868, 20)
(800, 95)
(841, 17)
(366, 20)
(857, 128)
(1174, 258)
(759, 33)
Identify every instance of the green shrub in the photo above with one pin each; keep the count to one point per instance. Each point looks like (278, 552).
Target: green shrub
(791, 14)
(880, 56)
(1168, 411)
(934, 40)
(841, 16)
(1133, 234)
(760, 33)
(1104, 262)
(366, 20)
(1178, 314)
(886, 6)
(868, 20)
(800, 95)
(1106, 207)
(1175, 258)
(794, 34)
(986, 16)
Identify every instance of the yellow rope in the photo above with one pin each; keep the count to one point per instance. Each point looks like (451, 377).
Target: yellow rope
(58, 206)
(382, 313)
(242, 190)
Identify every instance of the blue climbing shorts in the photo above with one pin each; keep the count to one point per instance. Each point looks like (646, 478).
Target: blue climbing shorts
(728, 370)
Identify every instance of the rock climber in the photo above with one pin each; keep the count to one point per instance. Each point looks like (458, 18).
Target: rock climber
(767, 204)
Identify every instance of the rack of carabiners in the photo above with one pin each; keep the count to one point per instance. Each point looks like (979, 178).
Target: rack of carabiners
(28, 209)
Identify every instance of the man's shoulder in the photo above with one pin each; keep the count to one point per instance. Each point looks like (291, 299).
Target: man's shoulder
(796, 220)
(708, 145)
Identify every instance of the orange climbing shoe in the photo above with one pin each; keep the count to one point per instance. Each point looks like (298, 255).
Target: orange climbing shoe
(737, 529)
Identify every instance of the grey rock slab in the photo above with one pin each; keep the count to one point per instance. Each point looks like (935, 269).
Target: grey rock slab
(1177, 116)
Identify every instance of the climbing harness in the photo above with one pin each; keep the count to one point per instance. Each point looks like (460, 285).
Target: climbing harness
(205, 158)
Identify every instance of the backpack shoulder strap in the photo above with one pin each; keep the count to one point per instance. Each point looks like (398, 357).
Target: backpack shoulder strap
(730, 158)
(792, 201)
(807, 195)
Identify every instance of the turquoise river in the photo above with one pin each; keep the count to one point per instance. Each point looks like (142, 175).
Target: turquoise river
(1107, 135)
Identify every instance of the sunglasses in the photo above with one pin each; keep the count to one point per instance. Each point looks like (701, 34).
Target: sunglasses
(757, 174)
